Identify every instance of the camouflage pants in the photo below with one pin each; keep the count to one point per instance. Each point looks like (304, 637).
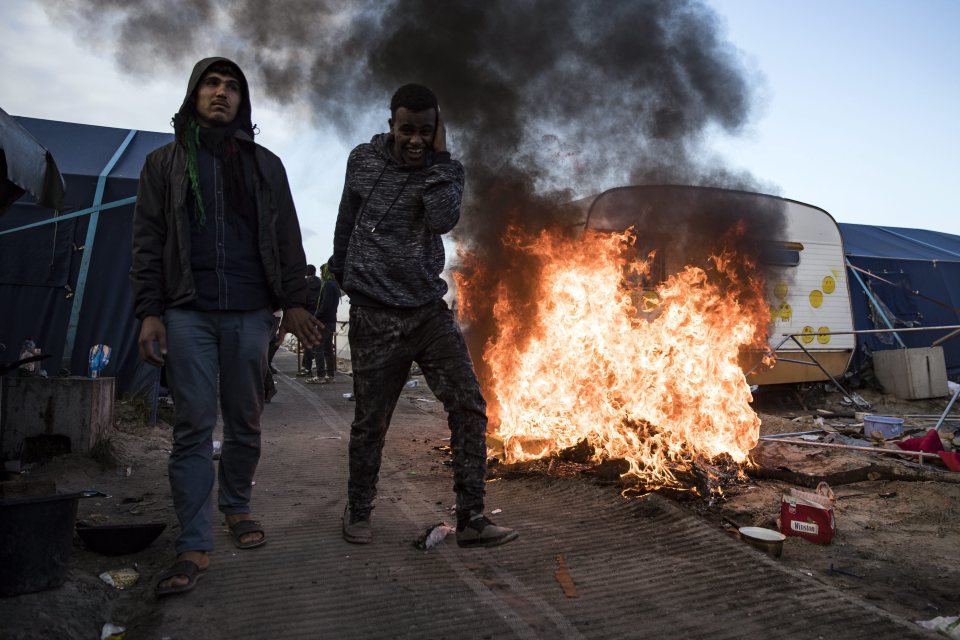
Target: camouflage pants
(383, 345)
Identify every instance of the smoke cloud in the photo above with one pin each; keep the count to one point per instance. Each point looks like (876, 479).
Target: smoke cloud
(545, 100)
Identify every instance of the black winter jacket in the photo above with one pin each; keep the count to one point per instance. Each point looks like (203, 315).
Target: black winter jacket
(160, 269)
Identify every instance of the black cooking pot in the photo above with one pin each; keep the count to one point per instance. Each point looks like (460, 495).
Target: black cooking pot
(36, 535)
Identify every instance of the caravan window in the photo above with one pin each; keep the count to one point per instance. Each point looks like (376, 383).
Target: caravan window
(785, 254)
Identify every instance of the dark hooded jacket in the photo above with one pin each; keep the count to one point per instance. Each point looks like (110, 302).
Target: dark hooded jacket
(160, 271)
(387, 246)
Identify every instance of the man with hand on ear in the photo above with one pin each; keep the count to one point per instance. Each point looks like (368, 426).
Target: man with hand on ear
(401, 194)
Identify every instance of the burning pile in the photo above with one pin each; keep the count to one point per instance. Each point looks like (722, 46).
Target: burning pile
(647, 376)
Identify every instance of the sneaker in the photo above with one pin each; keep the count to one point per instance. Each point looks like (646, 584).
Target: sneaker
(327, 379)
(478, 531)
(356, 529)
(303, 373)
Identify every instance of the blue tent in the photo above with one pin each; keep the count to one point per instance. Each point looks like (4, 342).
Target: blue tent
(63, 274)
(907, 277)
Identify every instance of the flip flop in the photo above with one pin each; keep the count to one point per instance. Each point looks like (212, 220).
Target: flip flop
(186, 568)
(241, 528)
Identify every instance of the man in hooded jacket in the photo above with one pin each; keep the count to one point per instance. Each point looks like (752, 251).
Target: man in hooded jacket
(402, 192)
(216, 248)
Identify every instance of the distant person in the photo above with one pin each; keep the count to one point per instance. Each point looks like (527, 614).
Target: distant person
(276, 339)
(402, 192)
(311, 355)
(216, 248)
(327, 314)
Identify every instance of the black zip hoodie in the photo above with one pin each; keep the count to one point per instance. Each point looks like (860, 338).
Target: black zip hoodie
(387, 246)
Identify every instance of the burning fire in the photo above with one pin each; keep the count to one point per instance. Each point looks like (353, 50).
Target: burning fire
(649, 376)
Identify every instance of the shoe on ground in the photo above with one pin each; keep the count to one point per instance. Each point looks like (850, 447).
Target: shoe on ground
(478, 531)
(327, 379)
(303, 373)
(356, 529)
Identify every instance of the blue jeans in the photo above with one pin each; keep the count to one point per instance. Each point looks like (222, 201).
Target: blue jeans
(207, 350)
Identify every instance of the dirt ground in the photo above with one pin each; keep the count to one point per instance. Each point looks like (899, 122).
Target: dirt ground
(896, 542)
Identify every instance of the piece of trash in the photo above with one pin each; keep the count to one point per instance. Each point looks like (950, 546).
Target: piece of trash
(111, 631)
(844, 572)
(411, 473)
(124, 472)
(888, 494)
(99, 359)
(562, 575)
(217, 446)
(496, 511)
(947, 626)
(327, 438)
(29, 349)
(348, 396)
(120, 578)
(809, 514)
(433, 536)
(412, 383)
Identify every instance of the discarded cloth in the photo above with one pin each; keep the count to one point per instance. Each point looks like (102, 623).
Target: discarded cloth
(931, 443)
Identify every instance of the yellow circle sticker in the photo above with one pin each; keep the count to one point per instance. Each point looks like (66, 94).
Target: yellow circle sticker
(829, 285)
(780, 291)
(821, 338)
(816, 298)
(807, 336)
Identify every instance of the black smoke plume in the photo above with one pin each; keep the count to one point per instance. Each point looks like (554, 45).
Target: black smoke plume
(545, 100)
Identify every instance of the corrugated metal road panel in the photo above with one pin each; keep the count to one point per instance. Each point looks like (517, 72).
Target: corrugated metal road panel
(642, 568)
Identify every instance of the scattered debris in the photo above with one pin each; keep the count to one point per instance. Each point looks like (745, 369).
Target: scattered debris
(562, 575)
(809, 515)
(121, 578)
(949, 627)
(433, 536)
(844, 572)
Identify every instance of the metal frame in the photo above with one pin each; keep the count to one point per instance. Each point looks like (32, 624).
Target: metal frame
(853, 398)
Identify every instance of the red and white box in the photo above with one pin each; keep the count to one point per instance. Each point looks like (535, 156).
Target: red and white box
(808, 515)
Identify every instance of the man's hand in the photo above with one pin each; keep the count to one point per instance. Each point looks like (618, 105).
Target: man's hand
(152, 330)
(440, 135)
(302, 324)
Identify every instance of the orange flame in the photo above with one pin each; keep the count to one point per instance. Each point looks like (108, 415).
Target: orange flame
(649, 376)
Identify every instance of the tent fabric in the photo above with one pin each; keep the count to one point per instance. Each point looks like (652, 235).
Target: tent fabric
(40, 266)
(915, 275)
(26, 166)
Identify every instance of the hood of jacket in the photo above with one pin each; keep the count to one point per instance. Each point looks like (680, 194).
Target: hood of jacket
(188, 109)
